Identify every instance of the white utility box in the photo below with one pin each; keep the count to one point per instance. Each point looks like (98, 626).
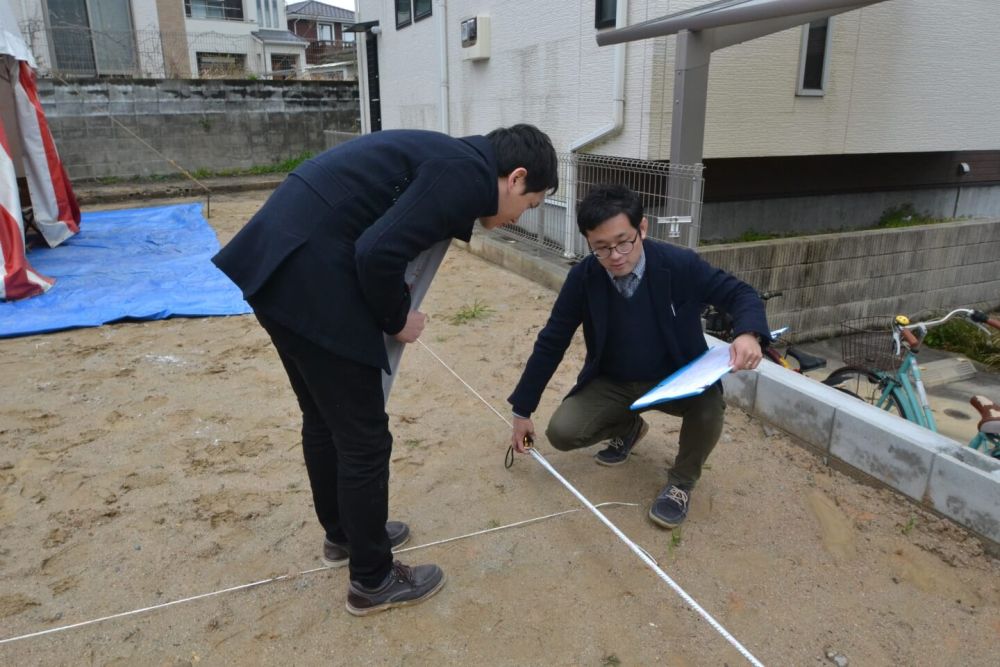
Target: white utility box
(476, 38)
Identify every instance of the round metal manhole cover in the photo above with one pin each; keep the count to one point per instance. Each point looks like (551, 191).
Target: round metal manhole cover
(956, 414)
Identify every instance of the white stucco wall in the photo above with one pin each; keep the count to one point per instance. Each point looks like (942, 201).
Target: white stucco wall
(904, 75)
(545, 68)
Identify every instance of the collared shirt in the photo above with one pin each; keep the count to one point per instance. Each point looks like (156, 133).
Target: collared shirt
(626, 284)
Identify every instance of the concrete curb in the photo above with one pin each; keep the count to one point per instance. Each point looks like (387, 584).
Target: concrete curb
(88, 194)
(933, 470)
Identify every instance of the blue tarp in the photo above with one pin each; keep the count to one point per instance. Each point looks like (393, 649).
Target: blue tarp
(139, 263)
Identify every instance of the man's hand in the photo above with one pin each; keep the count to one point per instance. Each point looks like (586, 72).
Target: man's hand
(414, 326)
(522, 427)
(745, 352)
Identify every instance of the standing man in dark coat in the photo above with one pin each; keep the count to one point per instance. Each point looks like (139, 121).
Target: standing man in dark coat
(322, 264)
(640, 304)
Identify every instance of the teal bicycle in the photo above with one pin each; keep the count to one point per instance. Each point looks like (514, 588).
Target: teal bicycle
(881, 358)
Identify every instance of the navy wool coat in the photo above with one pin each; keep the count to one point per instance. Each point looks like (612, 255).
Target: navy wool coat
(681, 283)
(326, 254)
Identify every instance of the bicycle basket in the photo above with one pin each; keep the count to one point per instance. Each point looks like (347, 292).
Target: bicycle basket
(867, 342)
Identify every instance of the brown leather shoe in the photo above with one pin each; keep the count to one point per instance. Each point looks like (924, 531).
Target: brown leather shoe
(404, 585)
(338, 555)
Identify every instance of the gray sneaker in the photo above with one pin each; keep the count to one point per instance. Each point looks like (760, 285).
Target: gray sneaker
(338, 555)
(618, 449)
(404, 585)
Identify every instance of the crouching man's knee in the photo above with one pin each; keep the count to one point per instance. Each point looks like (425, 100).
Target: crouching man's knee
(562, 434)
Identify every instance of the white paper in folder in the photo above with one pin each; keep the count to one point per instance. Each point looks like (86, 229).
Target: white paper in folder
(689, 380)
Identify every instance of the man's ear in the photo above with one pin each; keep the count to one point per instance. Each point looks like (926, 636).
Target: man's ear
(515, 177)
(643, 227)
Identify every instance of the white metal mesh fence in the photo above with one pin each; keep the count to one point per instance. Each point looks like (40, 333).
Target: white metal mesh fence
(670, 194)
(71, 51)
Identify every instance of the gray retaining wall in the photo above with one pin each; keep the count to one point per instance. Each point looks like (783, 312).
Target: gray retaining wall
(832, 277)
(821, 213)
(210, 124)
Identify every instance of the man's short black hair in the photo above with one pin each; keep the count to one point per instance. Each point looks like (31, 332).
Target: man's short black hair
(526, 146)
(604, 202)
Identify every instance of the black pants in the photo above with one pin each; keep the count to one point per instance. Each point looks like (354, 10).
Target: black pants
(346, 442)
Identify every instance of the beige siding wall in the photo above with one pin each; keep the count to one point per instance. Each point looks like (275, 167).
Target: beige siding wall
(903, 77)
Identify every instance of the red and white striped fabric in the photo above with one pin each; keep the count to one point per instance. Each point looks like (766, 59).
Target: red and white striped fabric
(19, 280)
(56, 213)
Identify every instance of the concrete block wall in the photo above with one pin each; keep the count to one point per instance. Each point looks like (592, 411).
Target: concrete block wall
(828, 278)
(930, 469)
(822, 213)
(210, 124)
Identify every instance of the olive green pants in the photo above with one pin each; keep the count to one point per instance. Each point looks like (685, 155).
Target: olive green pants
(600, 411)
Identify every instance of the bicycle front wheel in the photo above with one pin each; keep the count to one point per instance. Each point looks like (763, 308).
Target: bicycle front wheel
(869, 386)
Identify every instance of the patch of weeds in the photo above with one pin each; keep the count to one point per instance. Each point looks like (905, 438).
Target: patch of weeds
(610, 660)
(413, 442)
(904, 215)
(966, 338)
(751, 235)
(492, 523)
(910, 525)
(477, 311)
(676, 537)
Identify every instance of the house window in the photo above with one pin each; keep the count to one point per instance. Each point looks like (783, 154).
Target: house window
(348, 36)
(284, 65)
(814, 58)
(408, 11)
(92, 37)
(421, 9)
(324, 32)
(604, 13)
(221, 65)
(228, 10)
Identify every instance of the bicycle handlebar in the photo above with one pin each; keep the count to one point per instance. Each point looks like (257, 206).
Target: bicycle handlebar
(979, 317)
(910, 339)
(968, 313)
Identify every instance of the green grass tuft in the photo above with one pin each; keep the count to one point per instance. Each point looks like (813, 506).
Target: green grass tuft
(966, 338)
(477, 311)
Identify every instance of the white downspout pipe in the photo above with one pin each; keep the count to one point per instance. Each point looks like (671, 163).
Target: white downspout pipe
(361, 46)
(442, 26)
(613, 128)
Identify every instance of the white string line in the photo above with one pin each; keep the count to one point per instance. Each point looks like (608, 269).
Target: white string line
(292, 576)
(624, 538)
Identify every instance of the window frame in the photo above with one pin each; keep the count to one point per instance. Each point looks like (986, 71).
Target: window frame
(409, 14)
(413, 15)
(600, 23)
(800, 89)
(420, 17)
(189, 11)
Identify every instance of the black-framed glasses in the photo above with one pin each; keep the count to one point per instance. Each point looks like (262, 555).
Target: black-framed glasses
(623, 248)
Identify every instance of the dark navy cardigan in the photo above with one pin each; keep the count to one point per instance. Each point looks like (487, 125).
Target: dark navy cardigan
(326, 254)
(680, 282)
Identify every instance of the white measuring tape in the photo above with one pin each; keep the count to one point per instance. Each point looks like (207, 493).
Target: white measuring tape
(622, 536)
(541, 460)
(284, 577)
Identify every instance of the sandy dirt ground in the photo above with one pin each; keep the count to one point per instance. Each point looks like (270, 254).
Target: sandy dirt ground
(142, 463)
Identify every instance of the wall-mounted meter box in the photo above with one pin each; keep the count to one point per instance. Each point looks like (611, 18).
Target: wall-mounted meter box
(476, 38)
